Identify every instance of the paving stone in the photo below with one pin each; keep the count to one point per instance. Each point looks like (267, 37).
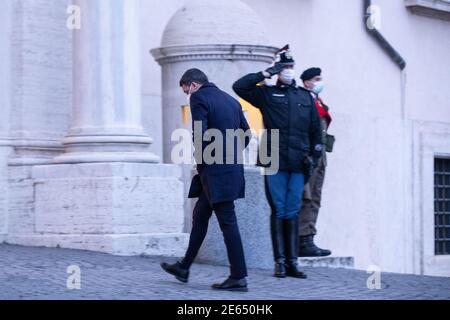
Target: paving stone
(41, 273)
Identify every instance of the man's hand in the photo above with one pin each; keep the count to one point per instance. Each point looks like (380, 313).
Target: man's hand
(274, 70)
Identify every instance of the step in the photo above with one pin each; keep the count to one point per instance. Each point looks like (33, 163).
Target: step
(328, 262)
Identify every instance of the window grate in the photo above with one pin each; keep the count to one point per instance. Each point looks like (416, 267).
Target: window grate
(442, 206)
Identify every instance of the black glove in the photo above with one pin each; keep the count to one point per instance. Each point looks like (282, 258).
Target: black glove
(276, 69)
(315, 162)
(308, 168)
(316, 155)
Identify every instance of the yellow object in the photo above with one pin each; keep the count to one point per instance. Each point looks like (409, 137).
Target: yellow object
(254, 116)
(186, 114)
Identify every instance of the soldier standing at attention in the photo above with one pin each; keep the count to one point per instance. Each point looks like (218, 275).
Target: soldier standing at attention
(312, 81)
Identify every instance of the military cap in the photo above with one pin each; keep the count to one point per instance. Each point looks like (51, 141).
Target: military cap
(311, 73)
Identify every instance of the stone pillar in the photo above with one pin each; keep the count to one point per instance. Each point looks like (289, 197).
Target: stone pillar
(39, 65)
(106, 192)
(35, 95)
(106, 121)
(5, 107)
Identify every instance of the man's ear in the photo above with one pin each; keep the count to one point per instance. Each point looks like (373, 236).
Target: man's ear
(196, 85)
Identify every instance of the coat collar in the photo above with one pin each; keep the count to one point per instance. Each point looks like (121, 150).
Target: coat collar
(208, 85)
(284, 86)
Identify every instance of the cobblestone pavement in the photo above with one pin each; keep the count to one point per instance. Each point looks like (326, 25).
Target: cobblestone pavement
(41, 273)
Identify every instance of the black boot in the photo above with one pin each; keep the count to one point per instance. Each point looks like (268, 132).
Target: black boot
(276, 228)
(307, 248)
(291, 240)
(176, 270)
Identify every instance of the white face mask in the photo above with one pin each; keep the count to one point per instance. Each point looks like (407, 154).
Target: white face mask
(287, 76)
(318, 87)
(188, 99)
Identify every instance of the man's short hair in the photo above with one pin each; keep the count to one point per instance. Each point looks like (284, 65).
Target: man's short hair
(193, 75)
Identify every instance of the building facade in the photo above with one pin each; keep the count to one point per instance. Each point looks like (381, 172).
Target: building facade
(86, 117)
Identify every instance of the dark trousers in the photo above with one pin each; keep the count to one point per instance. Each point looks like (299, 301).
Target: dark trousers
(228, 224)
(312, 199)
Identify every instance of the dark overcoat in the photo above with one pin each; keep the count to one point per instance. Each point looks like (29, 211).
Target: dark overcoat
(217, 110)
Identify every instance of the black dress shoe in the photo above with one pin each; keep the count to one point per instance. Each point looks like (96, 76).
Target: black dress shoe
(175, 270)
(232, 285)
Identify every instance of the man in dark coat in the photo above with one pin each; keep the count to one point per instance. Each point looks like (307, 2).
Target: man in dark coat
(219, 182)
(290, 110)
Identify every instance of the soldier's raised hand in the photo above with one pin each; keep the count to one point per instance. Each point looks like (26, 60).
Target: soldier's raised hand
(274, 70)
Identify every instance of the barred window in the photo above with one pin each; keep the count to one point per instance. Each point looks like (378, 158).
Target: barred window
(442, 206)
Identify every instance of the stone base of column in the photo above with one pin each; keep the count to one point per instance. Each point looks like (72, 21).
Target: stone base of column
(30, 152)
(107, 148)
(101, 157)
(118, 208)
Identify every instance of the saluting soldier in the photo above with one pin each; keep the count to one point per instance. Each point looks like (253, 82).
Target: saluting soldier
(291, 110)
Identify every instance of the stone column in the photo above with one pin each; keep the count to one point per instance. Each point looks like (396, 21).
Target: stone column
(106, 121)
(35, 91)
(5, 90)
(106, 192)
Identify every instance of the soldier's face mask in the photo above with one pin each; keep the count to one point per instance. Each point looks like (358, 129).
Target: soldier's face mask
(287, 75)
(318, 87)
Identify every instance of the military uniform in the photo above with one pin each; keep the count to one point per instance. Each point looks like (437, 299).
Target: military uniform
(312, 195)
(290, 110)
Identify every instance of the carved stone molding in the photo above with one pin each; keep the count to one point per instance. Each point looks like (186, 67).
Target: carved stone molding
(214, 52)
(439, 9)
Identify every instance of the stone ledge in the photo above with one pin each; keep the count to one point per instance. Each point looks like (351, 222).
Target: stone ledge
(328, 262)
(319, 262)
(168, 245)
(116, 169)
